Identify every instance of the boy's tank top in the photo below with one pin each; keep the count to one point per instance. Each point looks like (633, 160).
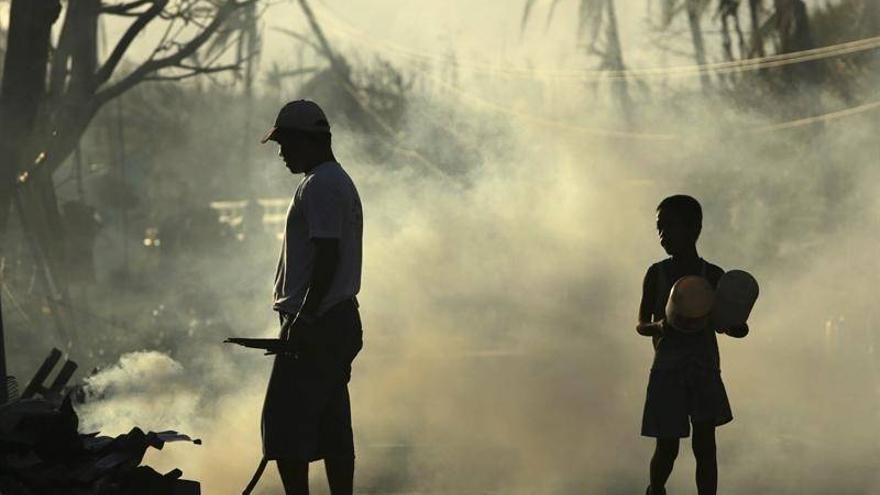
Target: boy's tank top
(677, 349)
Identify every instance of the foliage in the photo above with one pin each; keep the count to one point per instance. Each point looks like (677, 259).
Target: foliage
(591, 14)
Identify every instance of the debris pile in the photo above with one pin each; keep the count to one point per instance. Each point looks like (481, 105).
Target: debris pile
(42, 452)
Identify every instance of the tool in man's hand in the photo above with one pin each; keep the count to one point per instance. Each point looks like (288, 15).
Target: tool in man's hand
(271, 346)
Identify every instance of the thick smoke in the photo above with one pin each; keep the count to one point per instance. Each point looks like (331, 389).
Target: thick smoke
(499, 316)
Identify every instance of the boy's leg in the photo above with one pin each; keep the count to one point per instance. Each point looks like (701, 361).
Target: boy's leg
(340, 474)
(704, 451)
(294, 476)
(661, 464)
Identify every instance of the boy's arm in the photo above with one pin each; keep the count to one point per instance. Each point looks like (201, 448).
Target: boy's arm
(646, 326)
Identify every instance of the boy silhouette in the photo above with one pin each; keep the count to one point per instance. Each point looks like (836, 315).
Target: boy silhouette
(685, 385)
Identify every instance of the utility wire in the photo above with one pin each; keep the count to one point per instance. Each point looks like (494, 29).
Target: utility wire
(649, 135)
(743, 65)
(827, 117)
(771, 61)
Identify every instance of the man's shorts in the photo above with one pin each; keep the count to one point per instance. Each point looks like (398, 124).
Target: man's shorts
(307, 413)
(682, 395)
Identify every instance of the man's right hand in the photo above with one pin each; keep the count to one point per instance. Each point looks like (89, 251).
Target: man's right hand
(282, 347)
(662, 328)
(653, 329)
(294, 334)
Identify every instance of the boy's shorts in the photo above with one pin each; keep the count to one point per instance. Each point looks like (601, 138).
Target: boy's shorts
(676, 397)
(307, 412)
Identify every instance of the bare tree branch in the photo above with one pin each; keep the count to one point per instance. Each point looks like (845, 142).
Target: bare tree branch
(298, 72)
(125, 8)
(219, 52)
(300, 37)
(328, 52)
(184, 51)
(106, 70)
(128, 14)
(165, 36)
(193, 72)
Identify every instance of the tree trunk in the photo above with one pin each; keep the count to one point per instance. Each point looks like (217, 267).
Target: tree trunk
(23, 88)
(77, 45)
(757, 48)
(36, 141)
(59, 127)
(793, 25)
(871, 18)
(38, 133)
(803, 82)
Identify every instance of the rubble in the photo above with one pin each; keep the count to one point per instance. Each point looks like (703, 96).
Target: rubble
(43, 453)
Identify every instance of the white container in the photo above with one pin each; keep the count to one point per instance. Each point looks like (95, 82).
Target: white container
(734, 299)
(690, 303)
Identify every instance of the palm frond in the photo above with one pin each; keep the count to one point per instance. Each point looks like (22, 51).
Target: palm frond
(669, 9)
(590, 15)
(527, 10)
(550, 13)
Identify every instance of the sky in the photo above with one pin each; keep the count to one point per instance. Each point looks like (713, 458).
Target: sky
(476, 33)
(483, 32)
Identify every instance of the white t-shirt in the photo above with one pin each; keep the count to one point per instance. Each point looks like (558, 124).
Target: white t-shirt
(326, 205)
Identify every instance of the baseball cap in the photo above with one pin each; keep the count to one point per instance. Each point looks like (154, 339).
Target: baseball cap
(303, 115)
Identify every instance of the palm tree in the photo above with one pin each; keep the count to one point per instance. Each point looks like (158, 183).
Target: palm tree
(595, 18)
(757, 41)
(695, 10)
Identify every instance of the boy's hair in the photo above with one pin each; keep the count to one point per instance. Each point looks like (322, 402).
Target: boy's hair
(686, 208)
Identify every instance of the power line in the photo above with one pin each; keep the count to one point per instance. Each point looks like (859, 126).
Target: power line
(657, 136)
(827, 117)
(744, 65)
(600, 132)
(771, 61)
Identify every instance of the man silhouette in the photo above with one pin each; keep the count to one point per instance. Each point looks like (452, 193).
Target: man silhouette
(685, 382)
(307, 414)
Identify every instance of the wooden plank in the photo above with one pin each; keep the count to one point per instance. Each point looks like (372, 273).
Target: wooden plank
(61, 380)
(36, 384)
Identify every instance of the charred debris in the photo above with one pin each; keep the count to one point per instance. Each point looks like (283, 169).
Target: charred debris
(43, 452)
